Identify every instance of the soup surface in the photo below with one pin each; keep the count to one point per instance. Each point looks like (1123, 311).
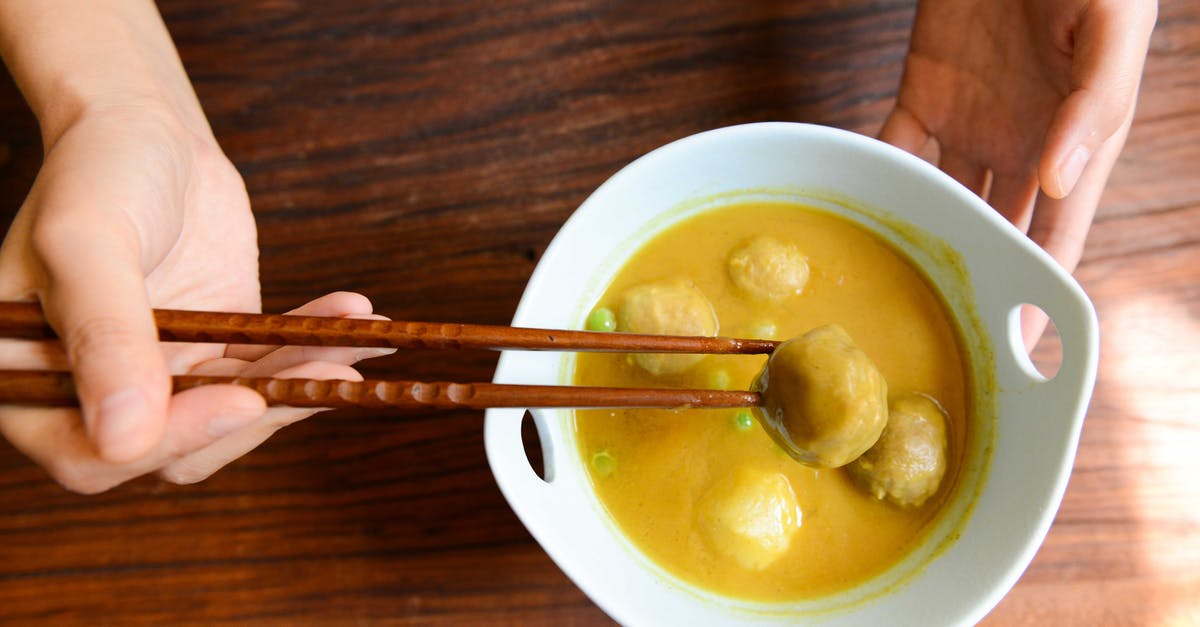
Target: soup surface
(668, 477)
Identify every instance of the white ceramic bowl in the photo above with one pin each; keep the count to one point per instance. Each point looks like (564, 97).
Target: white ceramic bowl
(1028, 430)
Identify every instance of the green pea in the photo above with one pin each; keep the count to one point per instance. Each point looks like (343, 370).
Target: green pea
(602, 319)
(744, 420)
(603, 463)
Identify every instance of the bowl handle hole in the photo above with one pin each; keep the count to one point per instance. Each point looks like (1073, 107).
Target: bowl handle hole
(1042, 359)
(532, 441)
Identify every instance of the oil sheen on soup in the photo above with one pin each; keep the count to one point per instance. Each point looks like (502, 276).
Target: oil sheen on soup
(706, 493)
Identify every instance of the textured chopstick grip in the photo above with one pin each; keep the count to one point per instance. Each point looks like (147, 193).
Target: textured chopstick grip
(56, 389)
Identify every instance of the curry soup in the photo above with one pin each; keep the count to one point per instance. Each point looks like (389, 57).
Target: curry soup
(655, 470)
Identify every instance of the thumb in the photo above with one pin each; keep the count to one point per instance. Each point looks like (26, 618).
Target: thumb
(1109, 51)
(95, 298)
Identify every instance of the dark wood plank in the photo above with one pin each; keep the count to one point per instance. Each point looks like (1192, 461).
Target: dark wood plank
(424, 154)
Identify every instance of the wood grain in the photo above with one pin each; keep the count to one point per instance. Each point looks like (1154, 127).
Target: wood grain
(424, 154)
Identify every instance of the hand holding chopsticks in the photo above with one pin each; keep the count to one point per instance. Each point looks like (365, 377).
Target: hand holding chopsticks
(287, 360)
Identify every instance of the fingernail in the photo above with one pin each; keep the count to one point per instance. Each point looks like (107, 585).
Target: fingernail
(1072, 169)
(229, 421)
(368, 353)
(118, 428)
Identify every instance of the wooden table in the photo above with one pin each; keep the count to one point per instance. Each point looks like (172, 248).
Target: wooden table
(424, 154)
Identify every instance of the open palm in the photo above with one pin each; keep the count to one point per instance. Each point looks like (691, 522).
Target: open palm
(1022, 95)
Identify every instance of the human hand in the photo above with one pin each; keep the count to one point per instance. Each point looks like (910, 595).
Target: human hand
(131, 211)
(1022, 95)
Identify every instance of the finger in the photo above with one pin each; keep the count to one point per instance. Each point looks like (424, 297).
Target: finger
(969, 172)
(203, 415)
(26, 428)
(95, 299)
(290, 356)
(336, 304)
(19, 271)
(56, 439)
(203, 463)
(1014, 197)
(32, 355)
(220, 367)
(1060, 225)
(1033, 325)
(1111, 40)
(903, 130)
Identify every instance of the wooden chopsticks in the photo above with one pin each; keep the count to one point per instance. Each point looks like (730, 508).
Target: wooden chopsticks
(56, 389)
(26, 321)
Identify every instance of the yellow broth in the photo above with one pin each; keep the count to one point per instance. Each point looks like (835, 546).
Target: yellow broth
(650, 468)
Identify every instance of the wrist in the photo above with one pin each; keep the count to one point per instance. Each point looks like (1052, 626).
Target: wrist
(71, 59)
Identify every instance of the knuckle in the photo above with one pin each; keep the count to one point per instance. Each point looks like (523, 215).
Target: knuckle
(56, 234)
(97, 335)
(50, 234)
(219, 170)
